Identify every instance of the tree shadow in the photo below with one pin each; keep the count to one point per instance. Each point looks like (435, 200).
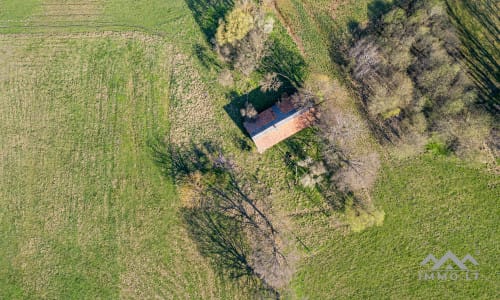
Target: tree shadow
(206, 57)
(219, 238)
(304, 144)
(288, 64)
(259, 99)
(480, 54)
(378, 8)
(241, 143)
(222, 211)
(177, 163)
(207, 14)
(338, 48)
(484, 13)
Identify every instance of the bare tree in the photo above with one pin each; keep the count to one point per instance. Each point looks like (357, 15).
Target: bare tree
(270, 82)
(245, 202)
(249, 112)
(411, 73)
(230, 220)
(359, 173)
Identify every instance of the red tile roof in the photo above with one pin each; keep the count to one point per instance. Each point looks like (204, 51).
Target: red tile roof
(277, 124)
(285, 106)
(262, 120)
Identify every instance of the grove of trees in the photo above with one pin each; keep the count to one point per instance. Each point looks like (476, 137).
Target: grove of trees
(409, 71)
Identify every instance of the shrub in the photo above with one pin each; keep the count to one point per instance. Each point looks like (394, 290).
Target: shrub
(249, 112)
(437, 148)
(270, 82)
(241, 37)
(226, 78)
(236, 25)
(315, 174)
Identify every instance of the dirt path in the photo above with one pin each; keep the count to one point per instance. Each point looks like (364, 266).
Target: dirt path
(288, 28)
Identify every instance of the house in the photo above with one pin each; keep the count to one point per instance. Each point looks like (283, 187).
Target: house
(278, 123)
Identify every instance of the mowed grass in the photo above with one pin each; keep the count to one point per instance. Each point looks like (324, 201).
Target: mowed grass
(322, 26)
(85, 213)
(15, 10)
(432, 205)
(169, 19)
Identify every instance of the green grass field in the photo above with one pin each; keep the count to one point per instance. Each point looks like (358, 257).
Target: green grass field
(322, 26)
(432, 205)
(86, 213)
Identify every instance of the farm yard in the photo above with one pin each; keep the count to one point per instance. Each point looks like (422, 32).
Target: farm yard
(95, 96)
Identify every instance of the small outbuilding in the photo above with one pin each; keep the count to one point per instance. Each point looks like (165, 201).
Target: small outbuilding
(278, 123)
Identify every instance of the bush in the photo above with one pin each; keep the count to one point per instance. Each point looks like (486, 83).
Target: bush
(437, 148)
(270, 82)
(241, 36)
(237, 24)
(249, 112)
(226, 78)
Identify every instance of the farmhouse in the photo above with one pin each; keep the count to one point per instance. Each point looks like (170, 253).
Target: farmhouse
(277, 123)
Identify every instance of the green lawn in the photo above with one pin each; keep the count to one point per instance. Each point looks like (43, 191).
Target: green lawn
(85, 213)
(15, 11)
(321, 26)
(170, 19)
(432, 205)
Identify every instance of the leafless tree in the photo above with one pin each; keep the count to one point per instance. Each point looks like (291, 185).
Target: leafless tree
(249, 112)
(359, 173)
(270, 82)
(411, 74)
(230, 219)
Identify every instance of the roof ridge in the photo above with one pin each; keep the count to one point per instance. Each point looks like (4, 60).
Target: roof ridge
(275, 124)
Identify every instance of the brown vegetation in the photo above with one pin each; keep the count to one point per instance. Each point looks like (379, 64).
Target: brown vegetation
(241, 36)
(410, 75)
(270, 82)
(249, 112)
(229, 218)
(349, 163)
